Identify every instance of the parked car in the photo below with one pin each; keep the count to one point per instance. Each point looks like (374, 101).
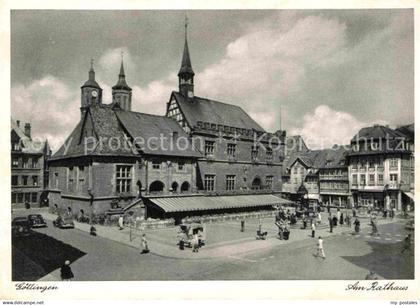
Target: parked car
(64, 222)
(37, 221)
(21, 227)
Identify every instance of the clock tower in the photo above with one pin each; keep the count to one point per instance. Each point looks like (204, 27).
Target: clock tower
(91, 92)
(186, 73)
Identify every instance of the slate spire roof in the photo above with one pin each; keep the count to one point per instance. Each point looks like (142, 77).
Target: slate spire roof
(121, 84)
(186, 67)
(91, 82)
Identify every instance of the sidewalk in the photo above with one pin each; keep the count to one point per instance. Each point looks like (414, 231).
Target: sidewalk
(161, 247)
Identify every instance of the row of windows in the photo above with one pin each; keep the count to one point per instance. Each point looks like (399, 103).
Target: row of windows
(24, 197)
(209, 182)
(332, 186)
(25, 162)
(371, 179)
(393, 163)
(376, 146)
(24, 180)
(337, 172)
(226, 129)
(209, 150)
(158, 165)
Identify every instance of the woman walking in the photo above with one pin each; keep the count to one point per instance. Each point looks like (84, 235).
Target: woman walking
(357, 226)
(320, 252)
(144, 244)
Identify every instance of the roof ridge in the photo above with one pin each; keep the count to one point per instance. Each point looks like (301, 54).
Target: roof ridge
(138, 112)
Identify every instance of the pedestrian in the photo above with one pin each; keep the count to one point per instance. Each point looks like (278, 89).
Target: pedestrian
(93, 231)
(144, 244)
(320, 252)
(319, 218)
(357, 226)
(65, 272)
(242, 225)
(371, 275)
(374, 227)
(348, 220)
(331, 223)
(313, 229)
(393, 213)
(341, 219)
(195, 242)
(328, 207)
(407, 243)
(354, 212)
(121, 222)
(338, 214)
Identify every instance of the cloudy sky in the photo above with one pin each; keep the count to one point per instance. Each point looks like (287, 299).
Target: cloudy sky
(328, 72)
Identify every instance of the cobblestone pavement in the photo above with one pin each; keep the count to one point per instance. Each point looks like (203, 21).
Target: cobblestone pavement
(111, 255)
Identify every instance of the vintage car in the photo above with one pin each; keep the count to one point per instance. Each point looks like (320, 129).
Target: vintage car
(37, 221)
(64, 222)
(21, 227)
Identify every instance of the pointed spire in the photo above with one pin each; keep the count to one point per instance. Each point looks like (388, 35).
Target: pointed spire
(122, 64)
(122, 84)
(91, 82)
(186, 67)
(91, 71)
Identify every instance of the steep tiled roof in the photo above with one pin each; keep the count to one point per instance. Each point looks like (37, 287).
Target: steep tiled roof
(408, 131)
(205, 110)
(28, 146)
(145, 126)
(336, 157)
(377, 132)
(331, 157)
(105, 128)
(109, 131)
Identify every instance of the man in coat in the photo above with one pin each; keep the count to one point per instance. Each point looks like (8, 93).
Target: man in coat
(66, 273)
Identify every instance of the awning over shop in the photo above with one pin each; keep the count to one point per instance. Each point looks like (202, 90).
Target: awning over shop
(409, 195)
(201, 203)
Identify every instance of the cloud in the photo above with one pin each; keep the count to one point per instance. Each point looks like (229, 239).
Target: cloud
(49, 105)
(153, 97)
(357, 65)
(110, 61)
(325, 127)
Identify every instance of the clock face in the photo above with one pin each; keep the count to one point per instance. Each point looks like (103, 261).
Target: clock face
(190, 94)
(94, 93)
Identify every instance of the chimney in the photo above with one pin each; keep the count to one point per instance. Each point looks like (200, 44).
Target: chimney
(28, 130)
(18, 123)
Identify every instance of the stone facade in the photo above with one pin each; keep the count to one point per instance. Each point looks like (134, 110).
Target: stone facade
(28, 166)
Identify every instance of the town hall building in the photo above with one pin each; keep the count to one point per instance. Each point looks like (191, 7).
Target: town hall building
(205, 161)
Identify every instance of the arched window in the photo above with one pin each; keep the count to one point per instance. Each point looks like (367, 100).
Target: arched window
(156, 186)
(185, 187)
(174, 187)
(256, 183)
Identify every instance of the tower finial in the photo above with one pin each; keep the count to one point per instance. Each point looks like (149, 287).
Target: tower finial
(186, 25)
(91, 64)
(122, 55)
